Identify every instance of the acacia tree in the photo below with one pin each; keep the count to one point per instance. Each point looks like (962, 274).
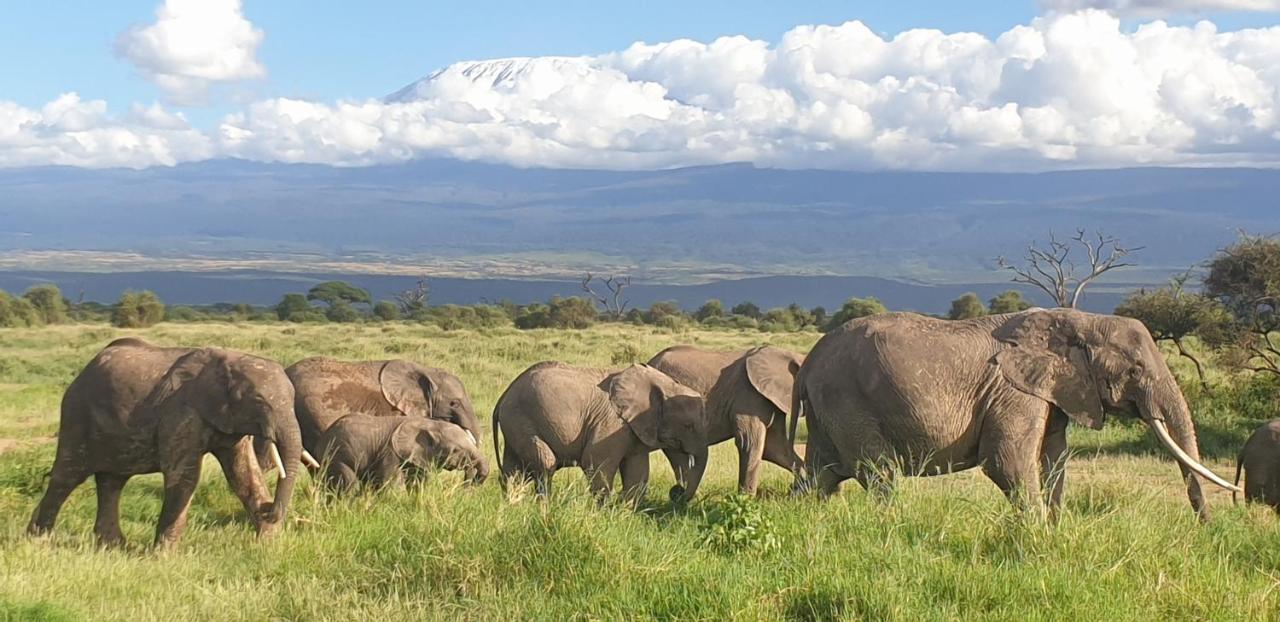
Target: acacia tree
(966, 307)
(1245, 278)
(613, 303)
(1054, 270)
(1172, 314)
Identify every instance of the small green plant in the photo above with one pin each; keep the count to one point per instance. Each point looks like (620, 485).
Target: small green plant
(627, 354)
(735, 524)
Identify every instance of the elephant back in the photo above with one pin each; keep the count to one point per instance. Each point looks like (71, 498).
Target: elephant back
(327, 390)
(694, 367)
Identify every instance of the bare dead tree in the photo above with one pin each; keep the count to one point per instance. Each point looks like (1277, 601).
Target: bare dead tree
(613, 303)
(414, 299)
(1053, 271)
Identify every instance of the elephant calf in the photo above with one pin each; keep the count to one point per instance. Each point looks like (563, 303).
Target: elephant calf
(1260, 460)
(378, 450)
(554, 416)
(748, 397)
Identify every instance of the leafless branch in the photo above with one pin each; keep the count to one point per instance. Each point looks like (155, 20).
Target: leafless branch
(613, 303)
(1053, 271)
(414, 299)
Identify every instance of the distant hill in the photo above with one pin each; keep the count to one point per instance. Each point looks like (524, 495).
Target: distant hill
(263, 288)
(682, 225)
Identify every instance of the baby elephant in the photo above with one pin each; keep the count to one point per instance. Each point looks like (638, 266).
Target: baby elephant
(1260, 459)
(555, 416)
(378, 450)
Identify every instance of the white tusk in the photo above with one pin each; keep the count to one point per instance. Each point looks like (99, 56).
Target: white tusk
(473, 439)
(309, 460)
(275, 457)
(1163, 433)
(691, 461)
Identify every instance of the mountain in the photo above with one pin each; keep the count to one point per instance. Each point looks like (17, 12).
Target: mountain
(460, 219)
(501, 72)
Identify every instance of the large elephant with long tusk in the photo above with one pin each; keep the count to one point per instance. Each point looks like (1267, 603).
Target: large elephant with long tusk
(137, 408)
(904, 392)
(328, 390)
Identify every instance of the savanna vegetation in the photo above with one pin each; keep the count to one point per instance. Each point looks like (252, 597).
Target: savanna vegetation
(1127, 546)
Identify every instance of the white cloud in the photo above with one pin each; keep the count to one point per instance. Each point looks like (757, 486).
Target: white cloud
(192, 45)
(73, 132)
(1074, 90)
(1156, 8)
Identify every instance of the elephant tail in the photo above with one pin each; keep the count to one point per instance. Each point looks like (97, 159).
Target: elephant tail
(495, 431)
(1239, 463)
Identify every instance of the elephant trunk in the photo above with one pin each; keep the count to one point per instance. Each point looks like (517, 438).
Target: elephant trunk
(288, 442)
(1165, 410)
(477, 469)
(688, 479)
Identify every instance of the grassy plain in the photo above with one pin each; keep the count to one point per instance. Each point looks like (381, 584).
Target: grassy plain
(1127, 548)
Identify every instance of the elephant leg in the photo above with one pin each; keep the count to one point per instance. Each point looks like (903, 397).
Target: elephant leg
(180, 481)
(341, 477)
(63, 479)
(877, 476)
(601, 471)
(749, 437)
(1053, 461)
(1012, 461)
(780, 451)
(107, 524)
(244, 476)
(821, 462)
(635, 477)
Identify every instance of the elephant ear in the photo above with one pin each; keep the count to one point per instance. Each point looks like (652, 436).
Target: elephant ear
(406, 388)
(407, 440)
(199, 381)
(638, 401)
(1044, 358)
(773, 372)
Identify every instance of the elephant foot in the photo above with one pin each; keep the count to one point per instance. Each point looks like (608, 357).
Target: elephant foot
(268, 530)
(677, 496)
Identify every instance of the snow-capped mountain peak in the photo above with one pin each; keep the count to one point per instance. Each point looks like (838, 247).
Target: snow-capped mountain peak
(496, 73)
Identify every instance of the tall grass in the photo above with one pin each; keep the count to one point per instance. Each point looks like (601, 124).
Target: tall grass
(1127, 548)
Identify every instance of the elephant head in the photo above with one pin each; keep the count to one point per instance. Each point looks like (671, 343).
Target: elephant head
(419, 391)
(435, 444)
(663, 414)
(240, 395)
(1087, 365)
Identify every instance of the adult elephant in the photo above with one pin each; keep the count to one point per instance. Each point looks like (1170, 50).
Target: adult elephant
(928, 396)
(748, 397)
(328, 390)
(137, 408)
(554, 416)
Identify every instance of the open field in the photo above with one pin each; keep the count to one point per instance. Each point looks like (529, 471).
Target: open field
(1127, 548)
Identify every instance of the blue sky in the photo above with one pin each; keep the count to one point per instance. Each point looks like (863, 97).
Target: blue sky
(324, 52)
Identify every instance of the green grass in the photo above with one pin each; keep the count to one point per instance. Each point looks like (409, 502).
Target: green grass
(1127, 547)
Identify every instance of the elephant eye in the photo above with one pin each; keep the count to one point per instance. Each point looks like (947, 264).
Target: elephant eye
(454, 403)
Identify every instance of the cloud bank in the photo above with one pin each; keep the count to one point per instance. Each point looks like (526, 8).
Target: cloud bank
(1067, 90)
(1160, 7)
(193, 45)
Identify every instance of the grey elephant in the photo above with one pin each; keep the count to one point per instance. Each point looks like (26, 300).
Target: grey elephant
(554, 416)
(137, 408)
(748, 396)
(928, 396)
(1260, 461)
(379, 450)
(328, 390)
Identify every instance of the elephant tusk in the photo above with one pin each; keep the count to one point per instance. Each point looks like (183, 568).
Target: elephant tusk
(309, 460)
(275, 457)
(1163, 434)
(473, 439)
(690, 461)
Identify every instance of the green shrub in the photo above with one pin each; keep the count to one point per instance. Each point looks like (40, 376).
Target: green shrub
(386, 311)
(736, 524)
(48, 302)
(17, 312)
(137, 310)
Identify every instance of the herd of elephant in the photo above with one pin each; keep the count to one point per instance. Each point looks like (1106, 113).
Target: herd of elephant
(892, 394)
